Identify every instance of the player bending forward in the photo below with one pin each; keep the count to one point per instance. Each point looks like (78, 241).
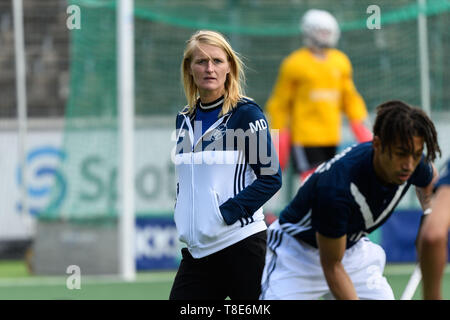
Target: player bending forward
(318, 246)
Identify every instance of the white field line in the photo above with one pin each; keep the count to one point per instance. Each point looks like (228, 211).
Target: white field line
(156, 277)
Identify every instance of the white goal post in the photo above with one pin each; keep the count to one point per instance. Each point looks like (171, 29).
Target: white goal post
(125, 82)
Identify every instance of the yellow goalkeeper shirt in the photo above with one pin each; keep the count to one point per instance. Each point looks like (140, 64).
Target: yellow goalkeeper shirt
(309, 96)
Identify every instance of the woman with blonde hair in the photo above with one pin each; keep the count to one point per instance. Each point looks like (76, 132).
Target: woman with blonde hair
(226, 169)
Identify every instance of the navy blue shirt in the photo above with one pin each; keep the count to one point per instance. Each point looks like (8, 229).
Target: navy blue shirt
(444, 176)
(206, 115)
(345, 197)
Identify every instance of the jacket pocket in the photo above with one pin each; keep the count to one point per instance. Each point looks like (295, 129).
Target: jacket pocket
(217, 207)
(210, 223)
(182, 223)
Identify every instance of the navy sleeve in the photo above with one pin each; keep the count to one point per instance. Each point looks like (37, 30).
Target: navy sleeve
(423, 174)
(444, 176)
(330, 212)
(261, 156)
(177, 121)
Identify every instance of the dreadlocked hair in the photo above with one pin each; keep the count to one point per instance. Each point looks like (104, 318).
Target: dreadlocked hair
(397, 122)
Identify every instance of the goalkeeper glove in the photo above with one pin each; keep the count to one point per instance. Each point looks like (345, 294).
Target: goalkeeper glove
(284, 147)
(360, 131)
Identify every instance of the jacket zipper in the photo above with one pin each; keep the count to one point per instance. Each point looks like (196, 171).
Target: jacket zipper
(191, 220)
(194, 144)
(192, 195)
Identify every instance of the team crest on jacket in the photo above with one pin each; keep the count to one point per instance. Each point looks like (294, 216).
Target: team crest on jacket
(219, 132)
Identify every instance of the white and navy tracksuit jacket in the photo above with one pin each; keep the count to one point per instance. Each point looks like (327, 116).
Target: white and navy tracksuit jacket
(224, 178)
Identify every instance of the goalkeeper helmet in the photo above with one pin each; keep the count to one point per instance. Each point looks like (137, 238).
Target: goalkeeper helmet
(320, 29)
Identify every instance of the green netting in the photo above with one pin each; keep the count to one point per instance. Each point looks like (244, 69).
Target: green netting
(385, 62)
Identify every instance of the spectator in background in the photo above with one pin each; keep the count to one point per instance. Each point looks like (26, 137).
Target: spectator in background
(433, 239)
(313, 88)
(318, 247)
(221, 187)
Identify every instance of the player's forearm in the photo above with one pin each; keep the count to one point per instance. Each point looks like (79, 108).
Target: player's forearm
(331, 252)
(432, 244)
(432, 264)
(339, 282)
(432, 251)
(425, 194)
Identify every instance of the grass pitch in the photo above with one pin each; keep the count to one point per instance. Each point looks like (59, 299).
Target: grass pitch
(17, 284)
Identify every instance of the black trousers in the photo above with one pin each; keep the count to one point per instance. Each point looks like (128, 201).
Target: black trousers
(233, 272)
(307, 158)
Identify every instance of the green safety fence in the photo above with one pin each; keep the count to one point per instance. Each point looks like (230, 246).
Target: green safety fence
(385, 62)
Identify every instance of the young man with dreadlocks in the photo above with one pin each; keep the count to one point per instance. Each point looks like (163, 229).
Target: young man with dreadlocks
(318, 246)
